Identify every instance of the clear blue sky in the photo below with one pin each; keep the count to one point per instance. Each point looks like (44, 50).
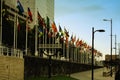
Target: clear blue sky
(79, 16)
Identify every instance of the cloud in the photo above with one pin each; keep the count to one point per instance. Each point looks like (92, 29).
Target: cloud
(91, 8)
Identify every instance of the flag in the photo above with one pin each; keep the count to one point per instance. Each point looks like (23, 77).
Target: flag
(48, 22)
(54, 27)
(40, 30)
(40, 20)
(77, 43)
(60, 30)
(18, 24)
(27, 25)
(50, 33)
(30, 14)
(20, 7)
(80, 43)
(73, 39)
(61, 34)
(66, 41)
(66, 32)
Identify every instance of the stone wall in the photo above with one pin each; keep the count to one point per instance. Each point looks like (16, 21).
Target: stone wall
(36, 66)
(11, 68)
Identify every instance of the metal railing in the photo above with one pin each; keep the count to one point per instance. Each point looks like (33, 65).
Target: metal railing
(5, 51)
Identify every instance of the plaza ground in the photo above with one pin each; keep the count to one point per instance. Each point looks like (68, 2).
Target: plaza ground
(98, 75)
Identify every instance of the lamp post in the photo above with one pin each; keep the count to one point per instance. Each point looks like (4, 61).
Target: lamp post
(50, 63)
(93, 32)
(110, 42)
(115, 47)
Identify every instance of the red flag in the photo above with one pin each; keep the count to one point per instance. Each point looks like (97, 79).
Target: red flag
(18, 24)
(54, 27)
(30, 15)
(77, 42)
(40, 20)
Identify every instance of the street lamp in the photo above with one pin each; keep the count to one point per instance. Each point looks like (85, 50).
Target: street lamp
(115, 46)
(93, 32)
(50, 64)
(110, 42)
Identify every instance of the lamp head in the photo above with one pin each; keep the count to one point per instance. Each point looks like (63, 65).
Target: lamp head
(100, 30)
(105, 20)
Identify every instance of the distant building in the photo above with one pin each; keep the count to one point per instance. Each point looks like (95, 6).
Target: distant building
(108, 57)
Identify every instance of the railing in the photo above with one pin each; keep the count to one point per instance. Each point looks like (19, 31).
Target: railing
(11, 52)
(50, 45)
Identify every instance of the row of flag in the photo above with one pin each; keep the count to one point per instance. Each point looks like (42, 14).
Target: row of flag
(52, 31)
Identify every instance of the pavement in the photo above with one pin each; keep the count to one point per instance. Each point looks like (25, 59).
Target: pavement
(98, 75)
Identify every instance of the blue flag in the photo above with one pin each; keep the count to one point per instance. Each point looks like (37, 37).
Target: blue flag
(20, 7)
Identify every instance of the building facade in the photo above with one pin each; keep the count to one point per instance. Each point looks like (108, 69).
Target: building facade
(44, 7)
(108, 57)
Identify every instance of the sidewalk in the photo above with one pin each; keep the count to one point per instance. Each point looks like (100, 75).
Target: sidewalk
(86, 75)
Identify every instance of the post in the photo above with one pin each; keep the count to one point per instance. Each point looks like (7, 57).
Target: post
(115, 48)
(92, 67)
(49, 63)
(1, 24)
(36, 37)
(49, 67)
(26, 38)
(111, 47)
(92, 54)
(110, 43)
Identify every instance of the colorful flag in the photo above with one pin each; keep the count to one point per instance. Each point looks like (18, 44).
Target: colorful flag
(80, 43)
(50, 33)
(48, 22)
(66, 32)
(60, 30)
(54, 27)
(30, 14)
(18, 24)
(66, 41)
(74, 39)
(40, 20)
(40, 31)
(61, 35)
(20, 7)
(77, 43)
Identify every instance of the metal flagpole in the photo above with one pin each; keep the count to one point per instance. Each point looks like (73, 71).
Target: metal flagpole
(36, 36)
(36, 31)
(1, 25)
(14, 42)
(16, 32)
(26, 36)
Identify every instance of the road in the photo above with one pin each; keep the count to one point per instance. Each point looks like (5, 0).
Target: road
(86, 75)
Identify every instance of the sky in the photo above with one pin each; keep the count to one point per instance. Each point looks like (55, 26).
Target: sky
(79, 16)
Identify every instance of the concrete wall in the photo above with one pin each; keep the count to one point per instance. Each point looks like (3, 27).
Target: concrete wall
(36, 66)
(11, 68)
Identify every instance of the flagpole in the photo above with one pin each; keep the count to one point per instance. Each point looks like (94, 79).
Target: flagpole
(1, 25)
(26, 37)
(16, 32)
(44, 38)
(36, 29)
(14, 42)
